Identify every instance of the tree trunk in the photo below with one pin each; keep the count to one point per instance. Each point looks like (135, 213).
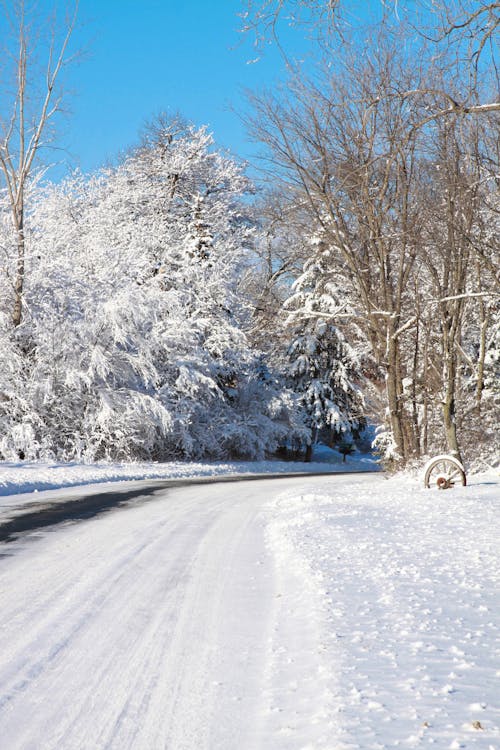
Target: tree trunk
(480, 362)
(19, 281)
(449, 421)
(450, 426)
(394, 389)
(483, 328)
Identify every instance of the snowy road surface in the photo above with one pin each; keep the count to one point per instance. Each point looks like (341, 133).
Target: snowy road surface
(312, 613)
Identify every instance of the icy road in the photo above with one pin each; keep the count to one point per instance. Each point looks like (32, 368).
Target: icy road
(305, 613)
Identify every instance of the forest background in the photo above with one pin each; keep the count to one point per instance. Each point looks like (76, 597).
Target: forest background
(166, 306)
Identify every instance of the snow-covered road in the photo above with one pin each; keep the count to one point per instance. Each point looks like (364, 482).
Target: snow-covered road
(145, 628)
(326, 612)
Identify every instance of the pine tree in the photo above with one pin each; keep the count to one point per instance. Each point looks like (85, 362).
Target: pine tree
(323, 370)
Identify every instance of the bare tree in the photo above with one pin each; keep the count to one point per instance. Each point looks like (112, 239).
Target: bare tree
(469, 25)
(458, 249)
(462, 33)
(280, 251)
(31, 102)
(397, 201)
(350, 150)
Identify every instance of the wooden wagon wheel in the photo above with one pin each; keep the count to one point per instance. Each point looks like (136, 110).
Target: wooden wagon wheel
(444, 472)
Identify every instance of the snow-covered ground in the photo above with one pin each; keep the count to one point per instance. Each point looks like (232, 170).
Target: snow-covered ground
(403, 586)
(25, 478)
(307, 613)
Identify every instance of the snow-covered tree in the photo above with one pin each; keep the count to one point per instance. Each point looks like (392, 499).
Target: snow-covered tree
(323, 368)
(132, 345)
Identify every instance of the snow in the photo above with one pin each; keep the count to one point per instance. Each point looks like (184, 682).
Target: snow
(36, 477)
(305, 613)
(405, 590)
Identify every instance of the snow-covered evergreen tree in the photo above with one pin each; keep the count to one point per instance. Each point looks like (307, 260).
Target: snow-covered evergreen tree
(323, 368)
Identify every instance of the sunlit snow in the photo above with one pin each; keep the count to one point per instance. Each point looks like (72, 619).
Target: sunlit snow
(334, 612)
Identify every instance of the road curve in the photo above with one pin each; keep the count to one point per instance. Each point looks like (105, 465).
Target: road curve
(148, 629)
(95, 501)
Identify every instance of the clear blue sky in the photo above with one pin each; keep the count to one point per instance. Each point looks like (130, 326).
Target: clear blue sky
(147, 56)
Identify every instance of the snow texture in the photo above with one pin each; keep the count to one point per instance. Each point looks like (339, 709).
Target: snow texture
(133, 343)
(307, 613)
(36, 477)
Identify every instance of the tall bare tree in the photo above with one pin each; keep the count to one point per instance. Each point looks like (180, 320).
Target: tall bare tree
(464, 264)
(362, 139)
(32, 96)
(463, 33)
(398, 202)
(349, 148)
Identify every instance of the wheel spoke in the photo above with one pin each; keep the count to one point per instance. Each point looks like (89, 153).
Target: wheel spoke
(446, 468)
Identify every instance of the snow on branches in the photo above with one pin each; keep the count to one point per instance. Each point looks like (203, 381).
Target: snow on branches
(132, 343)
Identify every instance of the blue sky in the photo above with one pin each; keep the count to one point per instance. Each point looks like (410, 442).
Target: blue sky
(147, 56)
(142, 57)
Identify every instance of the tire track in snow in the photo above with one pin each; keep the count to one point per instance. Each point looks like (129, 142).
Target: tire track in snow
(155, 634)
(71, 620)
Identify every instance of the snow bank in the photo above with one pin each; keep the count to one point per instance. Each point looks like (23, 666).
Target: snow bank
(404, 586)
(25, 477)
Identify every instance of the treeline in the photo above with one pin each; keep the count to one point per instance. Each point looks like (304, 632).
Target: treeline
(163, 308)
(387, 161)
(135, 336)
